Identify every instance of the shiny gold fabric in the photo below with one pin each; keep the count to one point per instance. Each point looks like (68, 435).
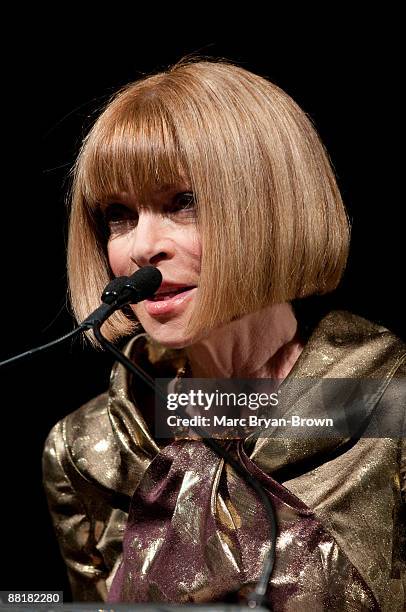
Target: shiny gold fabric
(196, 532)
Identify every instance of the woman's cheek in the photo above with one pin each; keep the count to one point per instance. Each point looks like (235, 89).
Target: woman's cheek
(118, 257)
(195, 246)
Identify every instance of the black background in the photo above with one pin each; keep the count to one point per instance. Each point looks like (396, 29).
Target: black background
(344, 75)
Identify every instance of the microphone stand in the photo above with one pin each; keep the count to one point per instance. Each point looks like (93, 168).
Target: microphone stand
(257, 597)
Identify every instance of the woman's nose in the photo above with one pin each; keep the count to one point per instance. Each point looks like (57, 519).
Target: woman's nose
(151, 241)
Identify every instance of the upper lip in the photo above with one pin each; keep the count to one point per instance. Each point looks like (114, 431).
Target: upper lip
(166, 287)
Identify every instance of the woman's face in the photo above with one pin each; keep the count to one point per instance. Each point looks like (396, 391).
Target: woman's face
(162, 233)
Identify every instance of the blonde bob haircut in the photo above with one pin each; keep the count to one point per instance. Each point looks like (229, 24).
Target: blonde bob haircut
(270, 216)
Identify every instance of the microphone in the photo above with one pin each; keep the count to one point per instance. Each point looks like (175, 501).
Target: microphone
(125, 290)
(119, 292)
(113, 289)
(139, 286)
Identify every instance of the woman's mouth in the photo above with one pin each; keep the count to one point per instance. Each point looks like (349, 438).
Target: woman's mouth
(167, 302)
(167, 295)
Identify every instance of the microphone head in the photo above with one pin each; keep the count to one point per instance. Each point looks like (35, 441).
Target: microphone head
(144, 282)
(113, 289)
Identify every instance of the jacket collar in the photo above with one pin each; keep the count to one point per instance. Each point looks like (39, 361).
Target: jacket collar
(342, 345)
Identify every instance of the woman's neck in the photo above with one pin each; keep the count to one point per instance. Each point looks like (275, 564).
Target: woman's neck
(262, 344)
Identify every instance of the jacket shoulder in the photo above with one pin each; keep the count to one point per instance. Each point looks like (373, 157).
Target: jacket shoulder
(346, 345)
(348, 324)
(88, 420)
(82, 445)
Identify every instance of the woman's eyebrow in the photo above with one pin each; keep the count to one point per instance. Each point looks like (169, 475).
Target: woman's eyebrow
(120, 198)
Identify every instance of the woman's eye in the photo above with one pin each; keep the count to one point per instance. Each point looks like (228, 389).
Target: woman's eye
(183, 202)
(119, 218)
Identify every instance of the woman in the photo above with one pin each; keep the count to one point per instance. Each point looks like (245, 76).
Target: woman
(216, 177)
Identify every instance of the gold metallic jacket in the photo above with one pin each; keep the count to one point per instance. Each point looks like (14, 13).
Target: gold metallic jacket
(194, 531)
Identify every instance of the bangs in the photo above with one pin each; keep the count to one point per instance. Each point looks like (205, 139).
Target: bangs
(132, 148)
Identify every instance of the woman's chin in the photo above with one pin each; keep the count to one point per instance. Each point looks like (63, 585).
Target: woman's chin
(167, 333)
(179, 341)
(168, 330)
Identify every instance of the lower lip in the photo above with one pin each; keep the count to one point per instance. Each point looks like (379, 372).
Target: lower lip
(168, 306)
